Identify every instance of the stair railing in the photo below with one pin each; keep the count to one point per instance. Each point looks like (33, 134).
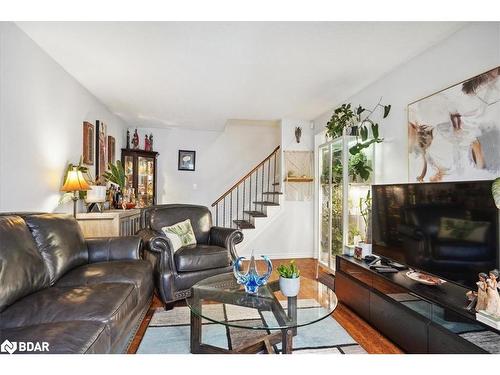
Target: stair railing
(248, 195)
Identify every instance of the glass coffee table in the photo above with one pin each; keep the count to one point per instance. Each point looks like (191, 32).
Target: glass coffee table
(279, 316)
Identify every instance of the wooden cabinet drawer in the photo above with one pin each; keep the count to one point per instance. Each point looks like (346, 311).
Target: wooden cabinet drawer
(407, 330)
(442, 342)
(353, 295)
(358, 273)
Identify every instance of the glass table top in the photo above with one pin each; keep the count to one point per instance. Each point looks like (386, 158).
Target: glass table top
(222, 300)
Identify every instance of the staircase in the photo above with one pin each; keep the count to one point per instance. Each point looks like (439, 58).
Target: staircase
(254, 198)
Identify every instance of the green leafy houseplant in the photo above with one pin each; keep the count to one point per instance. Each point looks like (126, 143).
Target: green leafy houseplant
(116, 174)
(290, 271)
(359, 120)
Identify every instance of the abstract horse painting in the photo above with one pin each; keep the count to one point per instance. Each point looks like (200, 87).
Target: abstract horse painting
(454, 134)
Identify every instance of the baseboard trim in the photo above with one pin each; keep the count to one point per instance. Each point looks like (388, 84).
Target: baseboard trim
(301, 255)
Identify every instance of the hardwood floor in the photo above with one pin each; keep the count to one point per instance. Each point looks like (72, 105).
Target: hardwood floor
(367, 336)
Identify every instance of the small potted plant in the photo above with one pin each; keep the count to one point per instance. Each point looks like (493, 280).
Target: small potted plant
(289, 279)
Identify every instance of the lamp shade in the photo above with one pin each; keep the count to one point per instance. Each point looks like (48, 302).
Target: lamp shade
(75, 181)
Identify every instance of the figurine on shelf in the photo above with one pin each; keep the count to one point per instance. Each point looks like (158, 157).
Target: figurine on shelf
(147, 146)
(493, 298)
(151, 142)
(482, 294)
(128, 139)
(135, 140)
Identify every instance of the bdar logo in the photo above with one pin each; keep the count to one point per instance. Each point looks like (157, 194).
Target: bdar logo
(9, 347)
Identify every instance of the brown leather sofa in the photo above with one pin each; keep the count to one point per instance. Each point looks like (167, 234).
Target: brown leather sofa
(80, 296)
(176, 272)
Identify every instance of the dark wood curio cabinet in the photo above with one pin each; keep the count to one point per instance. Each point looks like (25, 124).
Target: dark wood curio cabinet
(140, 170)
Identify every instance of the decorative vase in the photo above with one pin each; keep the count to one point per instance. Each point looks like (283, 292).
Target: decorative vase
(289, 287)
(251, 280)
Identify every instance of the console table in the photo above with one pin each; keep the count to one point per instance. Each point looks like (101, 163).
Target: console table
(110, 223)
(418, 318)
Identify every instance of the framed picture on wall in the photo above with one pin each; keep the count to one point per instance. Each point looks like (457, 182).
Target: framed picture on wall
(111, 149)
(453, 135)
(88, 143)
(187, 160)
(101, 164)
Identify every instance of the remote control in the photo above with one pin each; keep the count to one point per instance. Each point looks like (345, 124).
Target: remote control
(386, 270)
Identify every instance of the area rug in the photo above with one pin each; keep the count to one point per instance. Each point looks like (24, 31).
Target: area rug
(168, 331)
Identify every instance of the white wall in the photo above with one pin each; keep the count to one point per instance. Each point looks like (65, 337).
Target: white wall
(42, 109)
(470, 51)
(222, 158)
(291, 233)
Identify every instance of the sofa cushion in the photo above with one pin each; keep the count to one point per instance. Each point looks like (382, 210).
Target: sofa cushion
(108, 303)
(22, 270)
(201, 257)
(136, 272)
(185, 280)
(60, 241)
(73, 337)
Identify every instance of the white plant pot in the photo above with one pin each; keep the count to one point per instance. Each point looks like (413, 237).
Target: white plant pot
(290, 287)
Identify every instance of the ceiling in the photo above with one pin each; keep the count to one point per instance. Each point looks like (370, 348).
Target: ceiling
(200, 74)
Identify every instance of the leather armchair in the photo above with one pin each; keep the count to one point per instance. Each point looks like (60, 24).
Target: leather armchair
(176, 272)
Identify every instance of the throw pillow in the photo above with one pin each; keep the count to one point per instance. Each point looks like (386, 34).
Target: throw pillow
(180, 234)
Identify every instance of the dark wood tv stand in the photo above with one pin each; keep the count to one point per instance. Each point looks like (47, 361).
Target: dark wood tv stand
(416, 317)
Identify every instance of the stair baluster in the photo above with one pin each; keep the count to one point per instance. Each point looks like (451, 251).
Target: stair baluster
(252, 200)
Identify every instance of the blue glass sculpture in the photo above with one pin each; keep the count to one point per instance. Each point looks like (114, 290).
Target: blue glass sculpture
(251, 279)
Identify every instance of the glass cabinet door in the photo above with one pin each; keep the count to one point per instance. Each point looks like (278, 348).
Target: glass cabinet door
(324, 204)
(330, 203)
(128, 166)
(337, 198)
(341, 191)
(145, 181)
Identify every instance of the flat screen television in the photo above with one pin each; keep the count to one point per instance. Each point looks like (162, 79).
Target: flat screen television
(449, 229)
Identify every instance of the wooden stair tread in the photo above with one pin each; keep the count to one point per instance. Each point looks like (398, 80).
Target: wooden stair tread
(275, 183)
(244, 224)
(267, 203)
(255, 213)
(273, 193)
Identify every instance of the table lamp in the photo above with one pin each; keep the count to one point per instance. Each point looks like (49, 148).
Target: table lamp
(75, 182)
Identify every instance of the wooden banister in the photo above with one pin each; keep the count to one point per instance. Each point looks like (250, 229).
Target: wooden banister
(245, 177)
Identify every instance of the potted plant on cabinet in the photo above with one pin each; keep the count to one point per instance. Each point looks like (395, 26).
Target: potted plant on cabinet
(356, 122)
(116, 176)
(289, 279)
(365, 207)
